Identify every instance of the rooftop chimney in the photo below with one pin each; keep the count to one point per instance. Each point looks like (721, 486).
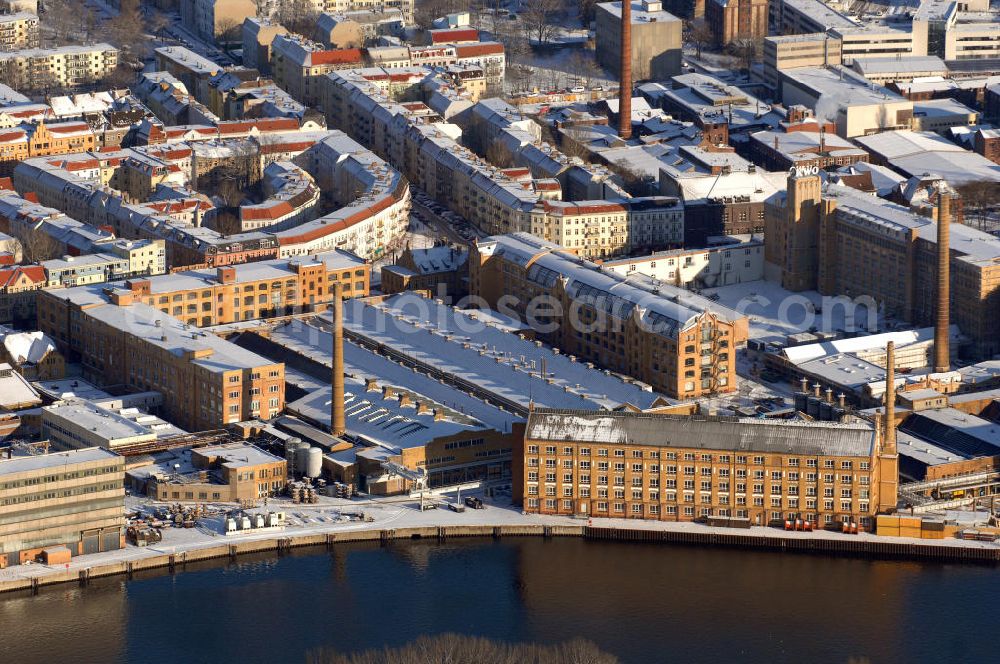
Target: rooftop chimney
(889, 438)
(942, 356)
(625, 84)
(338, 425)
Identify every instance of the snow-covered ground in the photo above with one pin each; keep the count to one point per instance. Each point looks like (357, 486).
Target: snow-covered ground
(326, 517)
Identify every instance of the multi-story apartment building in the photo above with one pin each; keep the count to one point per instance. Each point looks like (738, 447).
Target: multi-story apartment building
(18, 286)
(40, 68)
(80, 270)
(44, 139)
(722, 265)
(373, 197)
(191, 69)
(206, 382)
(18, 31)
(730, 20)
(839, 241)
(212, 19)
(258, 33)
(118, 260)
(223, 295)
(73, 499)
(405, 7)
(680, 468)
(299, 65)
(656, 39)
(682, 344)
(364, 103)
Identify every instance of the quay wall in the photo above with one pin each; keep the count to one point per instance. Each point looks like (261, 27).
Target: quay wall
(777, 542)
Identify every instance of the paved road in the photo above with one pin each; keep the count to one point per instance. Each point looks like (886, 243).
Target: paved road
(442, 227)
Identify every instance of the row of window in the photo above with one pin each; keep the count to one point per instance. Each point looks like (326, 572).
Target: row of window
(740, 459)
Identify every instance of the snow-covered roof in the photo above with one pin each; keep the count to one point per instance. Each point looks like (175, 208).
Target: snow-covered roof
(28, 347)
(708, 433)
(799, 354)
(15, 391)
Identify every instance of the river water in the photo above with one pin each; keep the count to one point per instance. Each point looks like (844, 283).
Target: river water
(641, 602)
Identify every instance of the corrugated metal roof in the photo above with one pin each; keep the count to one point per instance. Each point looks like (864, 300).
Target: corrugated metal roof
(708, 433)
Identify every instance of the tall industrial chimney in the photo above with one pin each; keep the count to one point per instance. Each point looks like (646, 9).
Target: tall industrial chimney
(625, 84)
(942, 321)
(889, 439)
(338, 425)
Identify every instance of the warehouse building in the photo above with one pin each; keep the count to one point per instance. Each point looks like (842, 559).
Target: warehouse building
(63, 504)
(675, 468)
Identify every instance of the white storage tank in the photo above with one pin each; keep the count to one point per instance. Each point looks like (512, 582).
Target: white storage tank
(314, 462)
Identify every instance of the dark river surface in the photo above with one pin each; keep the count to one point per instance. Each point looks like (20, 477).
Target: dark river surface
(641, 602)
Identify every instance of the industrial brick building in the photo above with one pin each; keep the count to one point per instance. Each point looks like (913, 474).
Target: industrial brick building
(656, 39)
(676, 468)
(682, 344)
(839, 241)
(731, 20)
(206, 382)
(61, 504)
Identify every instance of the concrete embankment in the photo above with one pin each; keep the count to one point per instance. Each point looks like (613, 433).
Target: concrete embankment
(863, 548)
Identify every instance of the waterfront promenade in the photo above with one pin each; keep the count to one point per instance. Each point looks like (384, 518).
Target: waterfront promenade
(397, 519)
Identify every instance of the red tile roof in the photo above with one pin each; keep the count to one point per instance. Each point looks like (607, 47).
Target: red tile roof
(453, 35)
(263, 212)
(9, 277)
(476, 50)
(337, 56)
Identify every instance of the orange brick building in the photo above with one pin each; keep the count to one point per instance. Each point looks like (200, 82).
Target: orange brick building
(682, 344)
(679, 468)
(218, 296)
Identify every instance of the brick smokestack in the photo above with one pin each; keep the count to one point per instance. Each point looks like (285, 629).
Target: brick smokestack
(625, 82)
(338, 425)
(889, 437)
(942, 320)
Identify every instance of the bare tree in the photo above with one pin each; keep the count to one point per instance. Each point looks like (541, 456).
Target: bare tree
(298, 16)
(227, 31)
(539, 19)
(584, 64)
(37, 245)
(460, 648)
(426, 11)
(635, 183)
(499, 155)
(587, 10)
(127, 30)
(747, 50)
(980, 205)
(700, 35)
(12, 75)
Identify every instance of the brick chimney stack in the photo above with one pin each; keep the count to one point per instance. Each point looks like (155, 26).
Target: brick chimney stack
(625, 82)
(338, 425)
(889, 437)
(942, 320)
